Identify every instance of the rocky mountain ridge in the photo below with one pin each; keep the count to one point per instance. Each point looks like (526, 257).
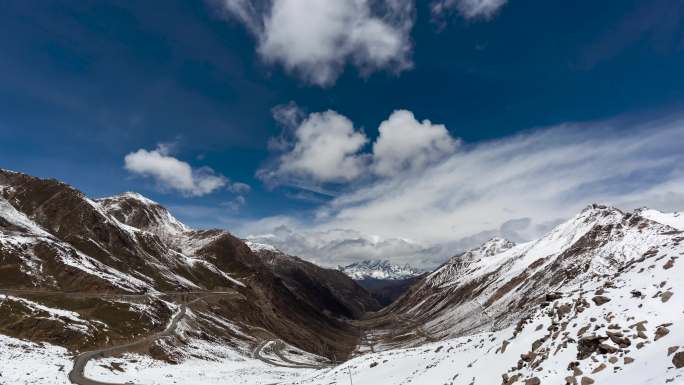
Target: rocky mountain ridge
(55, 241)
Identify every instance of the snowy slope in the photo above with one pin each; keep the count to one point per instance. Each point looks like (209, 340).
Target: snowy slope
(379, 270)
(675, 220)
(28, 363)
(545, 345)
(618, 319)
(475, 292)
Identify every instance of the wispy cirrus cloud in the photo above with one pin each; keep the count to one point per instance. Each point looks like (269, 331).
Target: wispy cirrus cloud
(518, 187)
(469, 9)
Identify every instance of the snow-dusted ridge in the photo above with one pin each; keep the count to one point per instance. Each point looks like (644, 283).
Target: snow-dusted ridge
(143, 213)
(674, 220)
(598, 300)
(256, 246)
(379, 269)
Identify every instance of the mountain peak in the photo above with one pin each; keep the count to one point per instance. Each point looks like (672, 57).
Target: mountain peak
(138, 211)
(256, 246)
(379, 269)
(136, 196)
(493, 246)
(600, 209)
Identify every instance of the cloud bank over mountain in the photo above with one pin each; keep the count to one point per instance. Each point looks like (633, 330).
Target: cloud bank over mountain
(517, 187)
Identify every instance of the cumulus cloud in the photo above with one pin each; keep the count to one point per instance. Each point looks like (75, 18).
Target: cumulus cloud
(172, 174)
(406, 144)
(316, 39)
(520, 187)
(469, 9)
(324, 149)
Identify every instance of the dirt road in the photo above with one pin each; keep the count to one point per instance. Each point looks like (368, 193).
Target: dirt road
(278, 347)
(77, 375)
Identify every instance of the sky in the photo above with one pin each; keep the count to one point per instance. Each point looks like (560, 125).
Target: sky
(340, 131)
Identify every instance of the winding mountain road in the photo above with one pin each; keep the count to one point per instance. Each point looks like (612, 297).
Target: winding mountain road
(278, 347)
(77, 375)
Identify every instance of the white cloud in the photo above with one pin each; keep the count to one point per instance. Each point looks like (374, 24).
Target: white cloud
(543, 175)
(239, 188)
(171, 173)
(406, 144)
(324, 149)
(518, 186)
(469, 9)
(235, 204)
(316, 39)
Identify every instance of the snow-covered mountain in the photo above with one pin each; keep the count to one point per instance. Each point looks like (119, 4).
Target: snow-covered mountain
(379, 269)
(81, 274)
(597, 300)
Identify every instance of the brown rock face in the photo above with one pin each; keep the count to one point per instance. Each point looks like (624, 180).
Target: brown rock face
(666, 296)
(329, 290)
(661, 332)
(533, 381)
(606, 349)
(588, 345)
(678, 360)
(619, 340)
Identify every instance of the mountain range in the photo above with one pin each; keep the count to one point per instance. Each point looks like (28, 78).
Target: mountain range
(117, 290)
(378, 269)
(384, 280)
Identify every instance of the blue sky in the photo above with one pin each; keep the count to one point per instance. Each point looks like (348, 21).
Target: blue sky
(84, 84)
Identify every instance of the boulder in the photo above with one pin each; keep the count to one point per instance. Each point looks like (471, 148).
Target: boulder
(600, 300)
(678, 360)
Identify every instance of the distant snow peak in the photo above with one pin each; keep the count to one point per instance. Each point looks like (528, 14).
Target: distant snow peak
(379, 269)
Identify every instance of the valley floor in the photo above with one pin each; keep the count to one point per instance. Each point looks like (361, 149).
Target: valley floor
(27, 363)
